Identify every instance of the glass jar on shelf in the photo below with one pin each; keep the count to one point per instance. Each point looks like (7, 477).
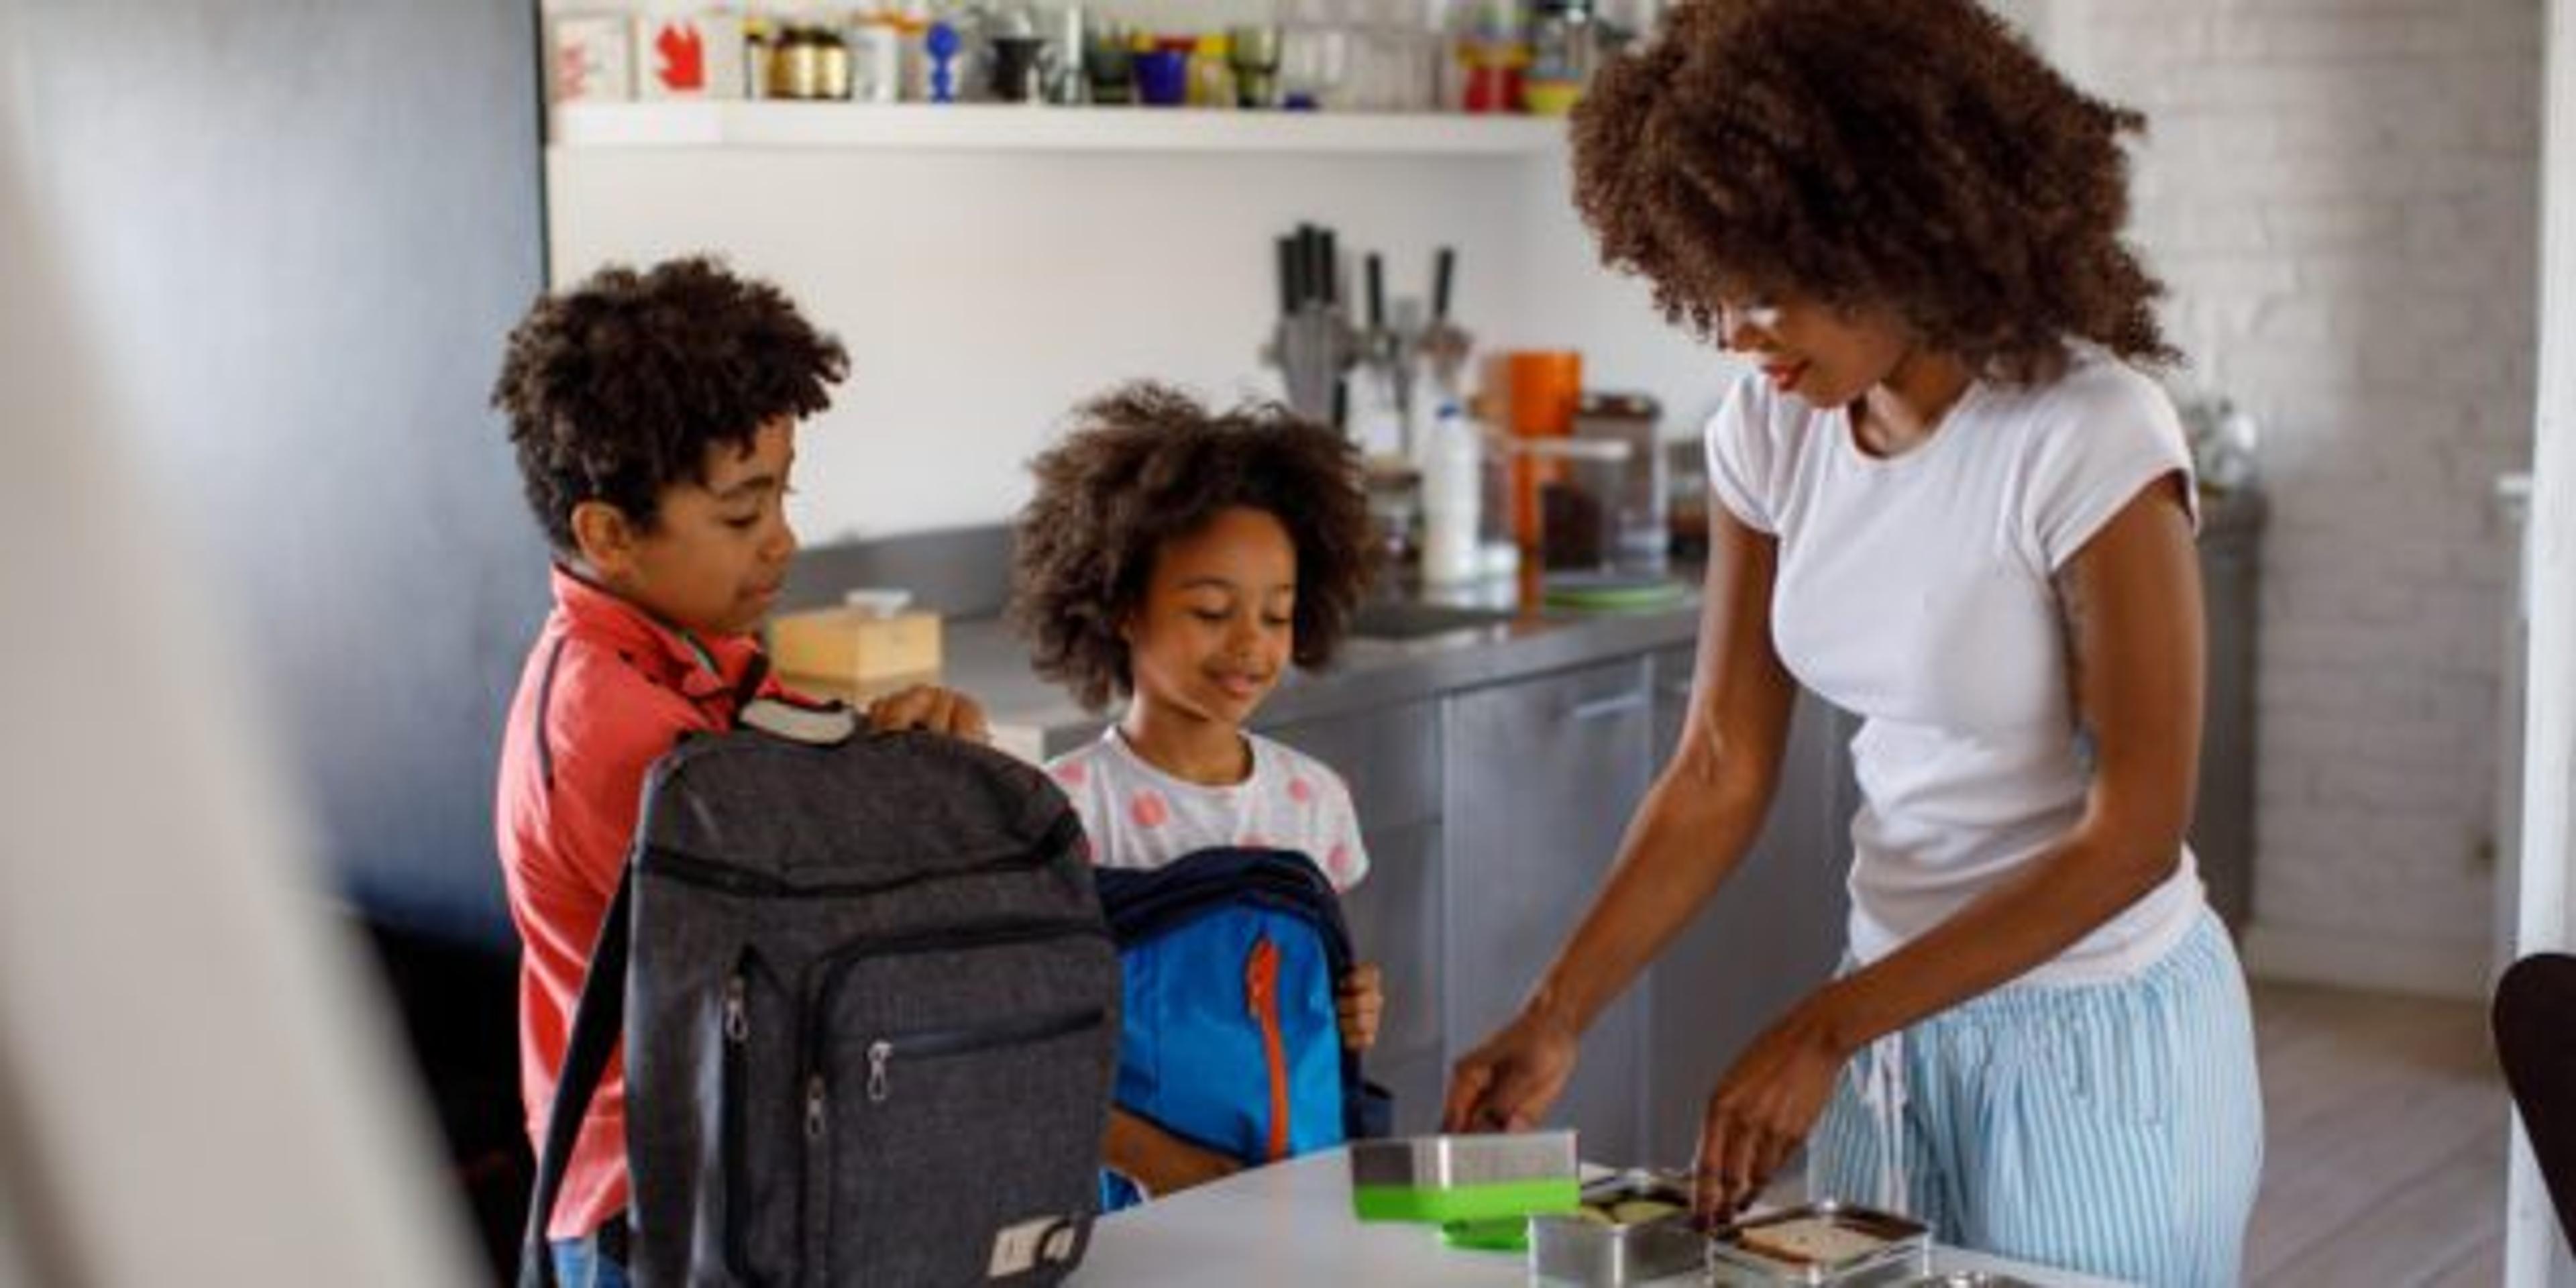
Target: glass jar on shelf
(1490, 55)
(1563, 55)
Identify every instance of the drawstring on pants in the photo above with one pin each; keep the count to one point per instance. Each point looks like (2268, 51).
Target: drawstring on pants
(1883, 1092)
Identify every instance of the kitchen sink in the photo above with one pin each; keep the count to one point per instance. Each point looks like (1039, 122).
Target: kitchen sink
(1405, 620)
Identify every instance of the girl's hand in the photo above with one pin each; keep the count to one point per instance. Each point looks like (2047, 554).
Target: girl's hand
(1176, 1165)
(1359, 1001)
(1509, 1082)
(1764, 1106)
(928, 706)
(1159, 1162)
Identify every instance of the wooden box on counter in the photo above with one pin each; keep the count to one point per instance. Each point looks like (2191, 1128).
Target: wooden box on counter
(854, 653)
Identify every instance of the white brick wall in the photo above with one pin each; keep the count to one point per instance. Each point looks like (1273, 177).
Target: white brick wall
(2343, 196)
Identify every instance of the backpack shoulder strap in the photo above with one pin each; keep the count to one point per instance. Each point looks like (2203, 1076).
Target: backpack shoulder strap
(598, 1020)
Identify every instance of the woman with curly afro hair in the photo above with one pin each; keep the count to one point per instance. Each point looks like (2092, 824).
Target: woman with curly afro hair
(1184, 559)
(1949, 502)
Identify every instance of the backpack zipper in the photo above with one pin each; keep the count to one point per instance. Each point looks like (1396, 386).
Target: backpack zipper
(1261, 999)
(735, 1030)
(689, 869)
(930, 1044)
(836, 967)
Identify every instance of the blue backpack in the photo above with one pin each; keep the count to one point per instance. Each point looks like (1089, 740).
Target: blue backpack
(1229, 1038)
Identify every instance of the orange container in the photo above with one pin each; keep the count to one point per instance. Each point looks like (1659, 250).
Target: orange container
(1542, 388)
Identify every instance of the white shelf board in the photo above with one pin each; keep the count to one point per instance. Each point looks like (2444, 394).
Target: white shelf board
(1008, 128)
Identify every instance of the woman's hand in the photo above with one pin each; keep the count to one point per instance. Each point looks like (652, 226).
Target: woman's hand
(928, 706)
(1764, 1106)
(1508, 1083)
(1358, 1001)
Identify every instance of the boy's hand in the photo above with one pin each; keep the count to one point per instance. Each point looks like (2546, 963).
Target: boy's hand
(1359, 1002)
(928, 706)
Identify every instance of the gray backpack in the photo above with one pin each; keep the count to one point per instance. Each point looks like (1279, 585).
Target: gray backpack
(871, 1017)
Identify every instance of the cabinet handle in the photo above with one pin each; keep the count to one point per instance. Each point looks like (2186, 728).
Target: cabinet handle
(1605, 708)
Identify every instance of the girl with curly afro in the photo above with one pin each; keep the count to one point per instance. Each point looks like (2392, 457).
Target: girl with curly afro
(1183, 559)
(1950, 502)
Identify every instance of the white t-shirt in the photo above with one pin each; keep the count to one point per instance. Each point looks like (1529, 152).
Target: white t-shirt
(1137, 816)
(1915, 592)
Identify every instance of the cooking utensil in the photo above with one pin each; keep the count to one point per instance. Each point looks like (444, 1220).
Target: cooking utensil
(1313, 344)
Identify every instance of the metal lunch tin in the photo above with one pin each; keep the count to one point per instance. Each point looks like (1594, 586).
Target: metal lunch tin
(1593, 1247)
(1899, 1251)
(1456, 1178)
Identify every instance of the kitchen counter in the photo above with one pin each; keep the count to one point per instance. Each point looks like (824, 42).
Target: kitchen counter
(1035, 719)
(1291, 1224)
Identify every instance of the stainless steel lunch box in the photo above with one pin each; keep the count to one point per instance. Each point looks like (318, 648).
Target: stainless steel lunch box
(1902, 1251)
(1463, 1178)
(1578, 1249)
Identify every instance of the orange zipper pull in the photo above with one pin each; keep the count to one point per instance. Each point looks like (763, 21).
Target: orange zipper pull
(1261, 999)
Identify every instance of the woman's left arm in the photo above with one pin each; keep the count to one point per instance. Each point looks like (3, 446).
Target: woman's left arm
(2132, 612)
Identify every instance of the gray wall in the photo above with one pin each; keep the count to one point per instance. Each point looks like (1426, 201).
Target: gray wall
(305, 228)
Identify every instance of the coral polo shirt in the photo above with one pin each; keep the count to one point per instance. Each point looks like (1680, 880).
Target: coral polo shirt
(604, 693)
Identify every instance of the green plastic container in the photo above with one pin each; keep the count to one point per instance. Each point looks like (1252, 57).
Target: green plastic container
(1447, 1179)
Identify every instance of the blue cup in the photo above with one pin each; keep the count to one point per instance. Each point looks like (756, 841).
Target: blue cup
(1163, 77)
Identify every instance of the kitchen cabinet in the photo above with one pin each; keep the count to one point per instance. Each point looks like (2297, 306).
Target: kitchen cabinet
(1492, 814)
(2222, 824)
(1538, 784)
(1773, 932)
(1391, 760)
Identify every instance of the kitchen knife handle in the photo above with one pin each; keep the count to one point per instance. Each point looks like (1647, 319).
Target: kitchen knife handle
(1443, 265)
(1376, 294)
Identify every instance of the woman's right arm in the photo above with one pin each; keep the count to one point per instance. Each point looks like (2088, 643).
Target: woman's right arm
(1695, 823)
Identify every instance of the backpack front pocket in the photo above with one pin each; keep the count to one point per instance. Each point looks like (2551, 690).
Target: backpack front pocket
(920, 1045)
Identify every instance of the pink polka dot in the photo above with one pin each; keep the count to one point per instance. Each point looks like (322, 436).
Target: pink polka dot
(1149, 809)
(1338, 863)
(1301, 791)
(1071, 774)
(1254, 841)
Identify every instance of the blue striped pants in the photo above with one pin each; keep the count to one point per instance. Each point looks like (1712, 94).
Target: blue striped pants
(2114, 1129)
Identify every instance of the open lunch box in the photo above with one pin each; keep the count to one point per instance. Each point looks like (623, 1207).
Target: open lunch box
(1636, 1227)
(1632, 1228)
(1825, 1242)
(1522, 1191)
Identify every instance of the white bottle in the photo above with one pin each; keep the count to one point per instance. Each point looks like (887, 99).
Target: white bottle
(1451, 460)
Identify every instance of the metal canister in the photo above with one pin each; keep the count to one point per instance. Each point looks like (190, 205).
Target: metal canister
(810, 63)
(795, 64)
(831, 65)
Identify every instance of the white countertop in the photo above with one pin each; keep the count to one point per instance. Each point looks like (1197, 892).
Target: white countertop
(1291, 1224)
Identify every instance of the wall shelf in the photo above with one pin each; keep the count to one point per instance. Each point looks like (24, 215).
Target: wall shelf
(1012, 128)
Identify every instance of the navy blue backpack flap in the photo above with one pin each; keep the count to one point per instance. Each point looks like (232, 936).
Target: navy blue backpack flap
(1230, 959)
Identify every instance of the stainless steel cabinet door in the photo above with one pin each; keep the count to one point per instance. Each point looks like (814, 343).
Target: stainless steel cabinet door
(1540, 778)
(1770, 934)
(1391, 760)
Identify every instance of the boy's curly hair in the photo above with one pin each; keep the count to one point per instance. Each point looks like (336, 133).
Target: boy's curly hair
(1144, 464)
(616, 388)
(1912, 154)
